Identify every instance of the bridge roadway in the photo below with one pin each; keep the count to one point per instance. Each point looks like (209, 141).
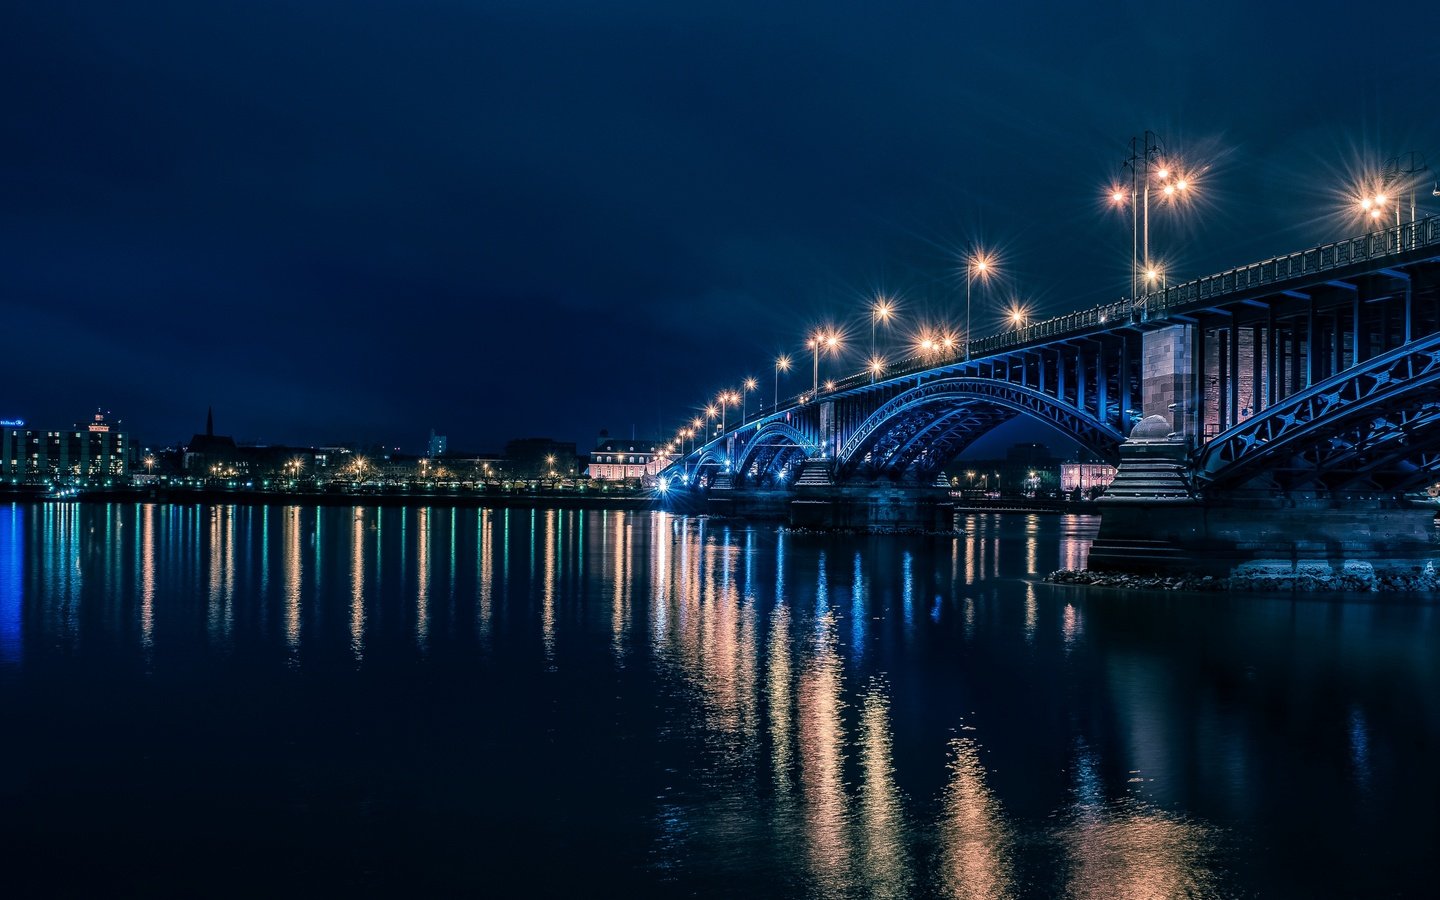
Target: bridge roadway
(1306, 383)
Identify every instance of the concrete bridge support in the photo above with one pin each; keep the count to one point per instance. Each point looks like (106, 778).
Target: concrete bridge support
(818, 502)
(1152, 522)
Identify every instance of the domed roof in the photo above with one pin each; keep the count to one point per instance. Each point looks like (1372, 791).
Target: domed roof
(1151, 428)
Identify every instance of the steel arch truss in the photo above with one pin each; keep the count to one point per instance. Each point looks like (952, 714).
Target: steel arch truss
(1376, 424)
(917, 432)
(771, 451)
(922, 442)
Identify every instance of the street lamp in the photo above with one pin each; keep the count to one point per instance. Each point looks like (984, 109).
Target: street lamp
(726, 399)
(828, 341)
(782, 364)
(880, 312)
(978, 264)
(1017, 315)
(1174, 185)
(748, 385)
(712, 412)
(877, 366)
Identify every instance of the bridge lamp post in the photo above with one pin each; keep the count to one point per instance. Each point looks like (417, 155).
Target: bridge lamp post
(880, 312)
(782, 364)
(828, 341)
(724, 401)
(877, 366)
(978, 264)
(749, 385)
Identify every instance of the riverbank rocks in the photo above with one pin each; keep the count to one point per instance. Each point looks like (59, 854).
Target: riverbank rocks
(1420, 580)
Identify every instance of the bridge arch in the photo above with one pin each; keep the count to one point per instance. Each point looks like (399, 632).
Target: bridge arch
(774, 448)
(1374, 425)
(920, 430)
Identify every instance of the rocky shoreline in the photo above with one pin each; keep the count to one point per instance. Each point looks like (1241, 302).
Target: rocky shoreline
(1358, 581)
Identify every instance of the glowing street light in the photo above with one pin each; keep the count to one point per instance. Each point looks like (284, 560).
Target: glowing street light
(1174, 184)
(749, 385)
(978, 264)
(726, 399)
(1017, 316)
(828, 341)
(877, 366)
(149, 465)
(782, 364)
(880, 312)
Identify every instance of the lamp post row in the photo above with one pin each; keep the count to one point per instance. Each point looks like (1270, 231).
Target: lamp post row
(1149, 168)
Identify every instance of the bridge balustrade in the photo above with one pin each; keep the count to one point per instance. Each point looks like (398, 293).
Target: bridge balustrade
(1391, 241)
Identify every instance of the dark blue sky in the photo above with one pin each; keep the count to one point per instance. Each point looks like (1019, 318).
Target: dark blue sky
(360, 220)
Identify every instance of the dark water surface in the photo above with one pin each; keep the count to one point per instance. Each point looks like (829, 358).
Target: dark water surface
(289, 700)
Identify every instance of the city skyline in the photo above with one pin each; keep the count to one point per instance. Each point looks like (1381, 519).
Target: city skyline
(185, 244)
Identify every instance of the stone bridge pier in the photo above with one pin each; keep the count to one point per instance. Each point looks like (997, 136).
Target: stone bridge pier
(1162, 515)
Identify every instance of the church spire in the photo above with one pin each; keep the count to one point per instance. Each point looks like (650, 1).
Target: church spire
(209, 421)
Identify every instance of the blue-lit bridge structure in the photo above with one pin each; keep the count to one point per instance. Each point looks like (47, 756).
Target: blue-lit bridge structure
(1305, 381)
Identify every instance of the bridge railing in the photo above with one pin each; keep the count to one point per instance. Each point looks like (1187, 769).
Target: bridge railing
(1059, 326)
(1336, 255)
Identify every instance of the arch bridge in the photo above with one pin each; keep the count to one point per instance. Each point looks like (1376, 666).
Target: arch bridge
(1311, 375)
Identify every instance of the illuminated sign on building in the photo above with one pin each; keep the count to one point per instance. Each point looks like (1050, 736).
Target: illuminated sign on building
(12, 423)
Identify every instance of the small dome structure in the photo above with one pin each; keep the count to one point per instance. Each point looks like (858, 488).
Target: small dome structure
(1151, 428)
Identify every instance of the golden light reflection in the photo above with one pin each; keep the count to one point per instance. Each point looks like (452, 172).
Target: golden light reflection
(357, 586)
(215, 569)
(620, 598)
(822, 764)
(1072, 626)
(972, 551)
(975, 843)
(147, 578)
(290, 535)
(883, 851)
(486, 588)
(547, 592)
(1074, 544)
(422, 578)
(1032, 612)
(1032, 544)
(1127, 850)
(779, 688)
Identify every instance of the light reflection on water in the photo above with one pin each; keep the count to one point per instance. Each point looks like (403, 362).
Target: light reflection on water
(721, 709)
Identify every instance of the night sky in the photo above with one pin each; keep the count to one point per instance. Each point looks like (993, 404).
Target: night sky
(356, 221)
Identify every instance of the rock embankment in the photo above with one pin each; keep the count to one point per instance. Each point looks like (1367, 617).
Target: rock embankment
(1420, 580)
